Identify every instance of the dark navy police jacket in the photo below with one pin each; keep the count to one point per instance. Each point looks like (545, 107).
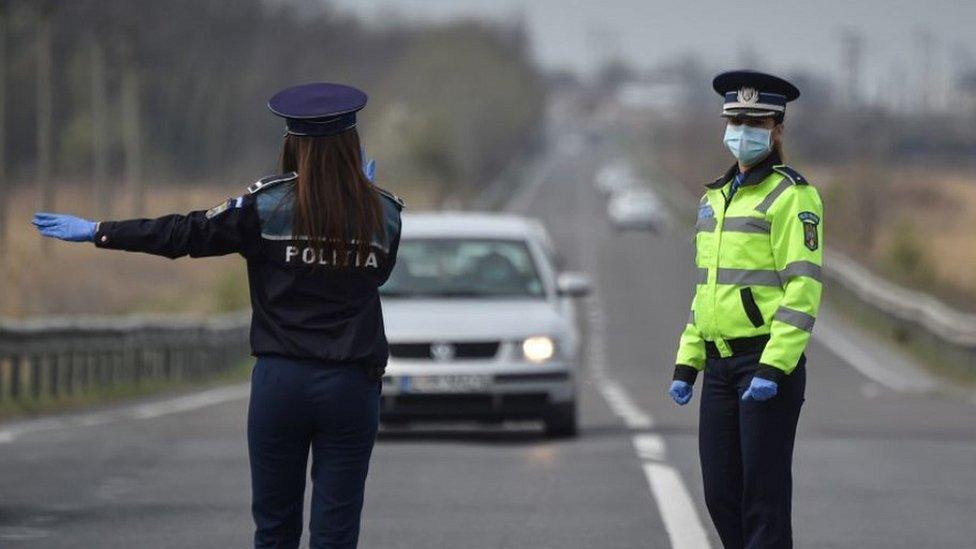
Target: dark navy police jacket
(331, 314)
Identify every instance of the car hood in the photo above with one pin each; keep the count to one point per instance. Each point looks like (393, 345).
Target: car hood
(409, 320)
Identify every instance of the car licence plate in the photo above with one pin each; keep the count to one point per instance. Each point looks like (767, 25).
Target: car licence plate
(464, 383)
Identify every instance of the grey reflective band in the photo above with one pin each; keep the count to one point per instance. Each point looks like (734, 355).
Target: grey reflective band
(801, 268)
(702, 276)
(797, 319)
(745, 225)
(748, 277)
(763, 206)
(691, 317)
(705, 224)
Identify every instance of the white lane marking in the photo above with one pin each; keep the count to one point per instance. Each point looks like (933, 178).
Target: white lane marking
(190, 402)
(622, 405)
(527, 192)
(681, 521)
(22, 533)
(650, 447)
(677, 508)
(140, 411)
(873, 361)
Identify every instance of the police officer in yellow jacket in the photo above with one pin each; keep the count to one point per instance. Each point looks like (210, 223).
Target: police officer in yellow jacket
(759, 252)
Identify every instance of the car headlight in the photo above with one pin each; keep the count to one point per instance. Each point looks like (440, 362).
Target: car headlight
(538, 348)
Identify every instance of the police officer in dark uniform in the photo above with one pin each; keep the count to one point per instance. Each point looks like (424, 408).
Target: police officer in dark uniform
(319, 239)
(759, 253)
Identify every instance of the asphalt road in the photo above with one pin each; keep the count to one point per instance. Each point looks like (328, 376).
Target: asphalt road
(874, 467)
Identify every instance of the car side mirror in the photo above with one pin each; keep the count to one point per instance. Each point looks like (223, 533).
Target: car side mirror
(573, 285)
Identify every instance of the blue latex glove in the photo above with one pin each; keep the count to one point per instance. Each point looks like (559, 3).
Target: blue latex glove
(760, 389)
(369, 169)
(680, 392)
(65, 227)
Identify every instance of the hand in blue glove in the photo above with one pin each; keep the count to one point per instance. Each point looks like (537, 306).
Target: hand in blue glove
(65, 227)
(680, 392)
(760, 389)
(369, 169)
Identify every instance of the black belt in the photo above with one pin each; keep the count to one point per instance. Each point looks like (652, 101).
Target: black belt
(739, 346)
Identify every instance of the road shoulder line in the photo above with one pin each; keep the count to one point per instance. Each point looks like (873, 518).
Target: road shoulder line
(144, 410)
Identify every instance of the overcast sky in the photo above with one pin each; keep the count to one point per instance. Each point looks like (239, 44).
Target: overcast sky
(783, 34)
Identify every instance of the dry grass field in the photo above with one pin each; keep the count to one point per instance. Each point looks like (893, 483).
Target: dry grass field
(920, 227)
(41, 276)
(44, 277)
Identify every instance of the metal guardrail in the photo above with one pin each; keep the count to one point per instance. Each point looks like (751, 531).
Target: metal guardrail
(941, 331)
(52, 358)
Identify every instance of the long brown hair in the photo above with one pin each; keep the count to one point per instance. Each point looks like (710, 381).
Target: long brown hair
(335, 207)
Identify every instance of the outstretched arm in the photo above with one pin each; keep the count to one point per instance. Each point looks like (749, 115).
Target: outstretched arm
(221, 230)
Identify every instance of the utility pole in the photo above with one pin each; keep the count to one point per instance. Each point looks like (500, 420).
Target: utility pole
(924, 43)
(44, 110)
(4, 190)
(131, 129)
(852, 51)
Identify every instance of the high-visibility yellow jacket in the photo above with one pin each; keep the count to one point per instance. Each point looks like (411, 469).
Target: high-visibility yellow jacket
(759, 257)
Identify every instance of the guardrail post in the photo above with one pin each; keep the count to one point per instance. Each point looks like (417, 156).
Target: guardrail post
(101, 363)
(35, 389)
(69, 373)
(15, 374)
(52, 375)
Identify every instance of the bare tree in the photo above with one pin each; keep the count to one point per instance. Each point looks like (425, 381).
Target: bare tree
(3, 129)
(131, 130)
(44, 105)
(99, 139)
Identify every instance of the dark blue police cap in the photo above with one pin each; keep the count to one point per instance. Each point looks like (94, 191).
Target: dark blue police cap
(318, 109)
(754, 93)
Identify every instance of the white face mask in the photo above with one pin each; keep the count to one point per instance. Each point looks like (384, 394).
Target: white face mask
(747, 144)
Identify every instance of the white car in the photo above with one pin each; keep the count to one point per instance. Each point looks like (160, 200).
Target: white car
(637, 209)
(615, 177)
(480, 324)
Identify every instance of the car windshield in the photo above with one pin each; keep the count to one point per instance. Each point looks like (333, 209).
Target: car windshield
(463, 268)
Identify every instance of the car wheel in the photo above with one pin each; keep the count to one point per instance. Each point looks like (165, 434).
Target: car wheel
(561, 421)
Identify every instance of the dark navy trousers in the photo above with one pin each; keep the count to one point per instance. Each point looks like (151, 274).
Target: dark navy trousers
(746, 451)
(298, 405)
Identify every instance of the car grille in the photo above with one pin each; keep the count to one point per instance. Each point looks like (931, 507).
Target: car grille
(461, 351)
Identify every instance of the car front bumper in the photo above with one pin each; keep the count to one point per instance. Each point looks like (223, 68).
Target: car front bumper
(508, 391)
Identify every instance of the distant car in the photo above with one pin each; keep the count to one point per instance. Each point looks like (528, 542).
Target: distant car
(481, 325)
(637, 209)
(615, 177)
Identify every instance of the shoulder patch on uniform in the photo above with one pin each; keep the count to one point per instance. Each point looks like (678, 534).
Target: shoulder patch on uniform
(791, 174)
(392, 197)
(705, 211)
(810, 221)
(270, 181)
(224, 206)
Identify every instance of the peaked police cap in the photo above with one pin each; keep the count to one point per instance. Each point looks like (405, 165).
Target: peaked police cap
(319, 108)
